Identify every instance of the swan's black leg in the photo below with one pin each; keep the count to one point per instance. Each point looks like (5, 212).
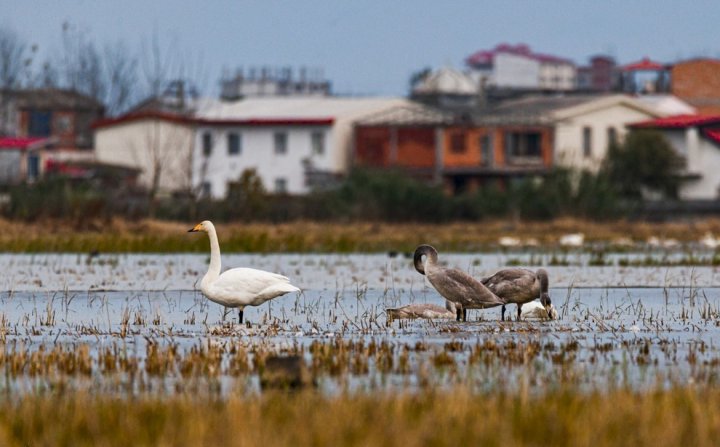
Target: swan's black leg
(464, 314)
(519, 311)
(458, 313)
(240, 316)
(502, 314)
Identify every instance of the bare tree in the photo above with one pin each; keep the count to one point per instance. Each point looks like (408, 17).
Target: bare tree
(120, 69)
(13, 57)
(109, 76)
(81, 65)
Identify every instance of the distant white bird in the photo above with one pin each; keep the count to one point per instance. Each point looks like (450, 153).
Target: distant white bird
(423, 310)
(509, 241)
(572, 240)
(238, 287)
(710, 241)
(535, 310)
(653, 241)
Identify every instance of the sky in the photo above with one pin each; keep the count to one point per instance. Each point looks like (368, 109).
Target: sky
(372, 47)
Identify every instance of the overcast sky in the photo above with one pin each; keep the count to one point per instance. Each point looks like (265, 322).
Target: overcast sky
(372, 47)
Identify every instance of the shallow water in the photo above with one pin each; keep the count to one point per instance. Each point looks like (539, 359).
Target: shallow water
(620, 326)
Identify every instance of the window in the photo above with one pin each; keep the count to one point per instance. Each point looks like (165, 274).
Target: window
(612, 136)
(207, 144)
(317, 141)
(587, 142)
(457, 142)
(39, 125)
(486, 150)
(233, 144)
(280, 143)
(280, 185)
(523, 145)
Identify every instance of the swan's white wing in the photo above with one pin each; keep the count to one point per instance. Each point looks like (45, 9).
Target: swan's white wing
(243, 286)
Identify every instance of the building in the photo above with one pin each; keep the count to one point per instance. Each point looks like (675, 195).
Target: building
(290, 142)
(157, 143)
(462, 153)
(644, 77)
(517, 67)
(447, 88)
(599, 76)
(64, 115)
(497, 144)
(22, 159)
(696, 138)
(269, 81)
(697, 81)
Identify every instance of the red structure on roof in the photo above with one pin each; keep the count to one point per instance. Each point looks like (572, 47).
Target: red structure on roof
(679, 121)
(643, 65)
(713, 134)
(486, 57)
(20, 142)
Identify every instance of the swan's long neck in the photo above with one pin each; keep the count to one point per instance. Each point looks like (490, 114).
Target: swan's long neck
(542, 275)
(430, 254)
(214, 269)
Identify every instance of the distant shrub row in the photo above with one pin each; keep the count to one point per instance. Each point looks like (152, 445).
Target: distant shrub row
(643, 162)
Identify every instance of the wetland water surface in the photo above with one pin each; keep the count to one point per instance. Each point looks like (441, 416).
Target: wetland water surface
(134, 323)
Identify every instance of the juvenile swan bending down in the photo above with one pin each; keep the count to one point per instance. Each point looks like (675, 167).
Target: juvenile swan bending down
(453, 284)
(422, 310)
(238, 287)
(521, 286)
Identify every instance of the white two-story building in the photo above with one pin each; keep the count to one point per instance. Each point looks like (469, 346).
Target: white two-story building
(293, 144)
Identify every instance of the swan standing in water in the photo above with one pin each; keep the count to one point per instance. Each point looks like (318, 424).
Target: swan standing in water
(422, 310)
(453, 284)
(521, 286)
(238, 287)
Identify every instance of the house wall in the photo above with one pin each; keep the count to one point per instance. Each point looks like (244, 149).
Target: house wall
(702, 159)
(471, 156)
(698, 82)
(510, 70)
(258, 152)
(372, 146)
(416, 147)
(137, 144)
(557, 76)
(569, 134)
(71, 128)
(11, 166)
(384, 146)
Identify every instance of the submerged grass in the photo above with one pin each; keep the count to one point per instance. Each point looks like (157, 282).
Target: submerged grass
(159, 236)
(679, 416)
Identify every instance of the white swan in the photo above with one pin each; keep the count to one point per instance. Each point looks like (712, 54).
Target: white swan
(238, 287)
(535, 310)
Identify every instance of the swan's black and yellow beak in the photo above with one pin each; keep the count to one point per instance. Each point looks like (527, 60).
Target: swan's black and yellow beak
(197, 227)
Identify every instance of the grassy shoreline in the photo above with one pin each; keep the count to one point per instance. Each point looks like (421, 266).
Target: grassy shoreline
(679, 416)
(151, 236)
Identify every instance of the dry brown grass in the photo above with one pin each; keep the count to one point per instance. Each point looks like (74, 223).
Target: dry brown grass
(160, 236)
(682, 416)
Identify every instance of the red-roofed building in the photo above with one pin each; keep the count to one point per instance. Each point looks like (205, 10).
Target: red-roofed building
(22, 159)
(517, 67)
(697, 139)
(645, 77)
